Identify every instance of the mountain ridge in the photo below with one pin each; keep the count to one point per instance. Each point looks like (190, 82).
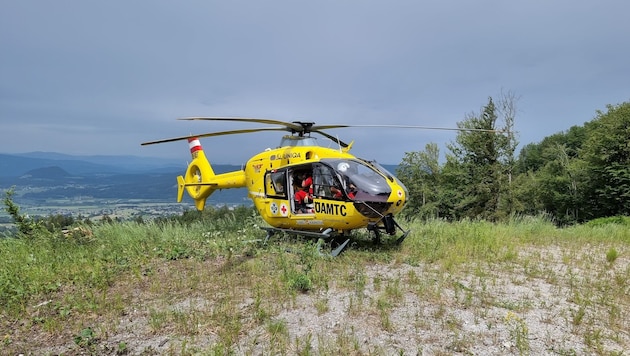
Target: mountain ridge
(16, 165)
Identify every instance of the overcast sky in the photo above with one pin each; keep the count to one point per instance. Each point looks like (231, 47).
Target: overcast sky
(100, 77)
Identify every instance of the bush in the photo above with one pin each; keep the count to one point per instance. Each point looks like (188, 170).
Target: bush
(26, 226)
(618, 220)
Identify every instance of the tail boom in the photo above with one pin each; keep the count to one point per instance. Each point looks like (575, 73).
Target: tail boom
(200, 181)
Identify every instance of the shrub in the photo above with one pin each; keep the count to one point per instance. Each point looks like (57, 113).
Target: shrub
(619, 220)
(27, 226)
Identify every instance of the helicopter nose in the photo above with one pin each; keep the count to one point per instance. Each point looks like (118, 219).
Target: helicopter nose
(397, 198)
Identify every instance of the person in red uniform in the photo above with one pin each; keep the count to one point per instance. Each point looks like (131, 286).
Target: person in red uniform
(302, 199)
(337, 194)
(352, 191)
(307, 183)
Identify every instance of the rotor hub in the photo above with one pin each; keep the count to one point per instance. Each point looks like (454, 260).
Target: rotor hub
(306, 127)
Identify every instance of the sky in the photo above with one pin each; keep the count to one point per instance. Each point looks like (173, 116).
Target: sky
(100, 77)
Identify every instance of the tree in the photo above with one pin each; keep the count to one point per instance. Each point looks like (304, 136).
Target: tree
(552, 176)
(479, 169)
(507, 144)
(581, 173)
(561, 185)
(534, 155)
(607, 153)
(421, 173)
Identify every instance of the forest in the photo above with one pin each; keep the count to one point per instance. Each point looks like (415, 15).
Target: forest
(573, 176)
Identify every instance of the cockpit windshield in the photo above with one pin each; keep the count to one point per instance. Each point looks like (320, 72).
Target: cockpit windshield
(361, 177)
(389, 175)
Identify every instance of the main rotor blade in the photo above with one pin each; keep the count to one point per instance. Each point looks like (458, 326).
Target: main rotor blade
(211, 134)
(318, 128)
(299, 128)
(412, 127)
(333, 138)
(290, 125)
(326, 127)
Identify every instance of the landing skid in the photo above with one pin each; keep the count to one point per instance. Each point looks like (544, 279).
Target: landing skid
(324, 235)
(389, 225)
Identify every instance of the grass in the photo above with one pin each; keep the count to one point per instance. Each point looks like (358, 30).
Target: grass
(204, 288)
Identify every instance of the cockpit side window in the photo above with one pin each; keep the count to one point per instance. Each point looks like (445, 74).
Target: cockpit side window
(325, 182)
(276, 184)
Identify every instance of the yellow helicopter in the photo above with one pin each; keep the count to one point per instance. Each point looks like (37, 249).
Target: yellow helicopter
(301, 187)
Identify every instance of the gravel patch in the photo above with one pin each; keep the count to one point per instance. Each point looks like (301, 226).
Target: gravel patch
(548, 301)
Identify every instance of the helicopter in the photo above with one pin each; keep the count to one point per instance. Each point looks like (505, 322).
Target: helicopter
(343, 192)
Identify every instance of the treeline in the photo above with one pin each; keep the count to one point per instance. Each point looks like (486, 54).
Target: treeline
(573, 176)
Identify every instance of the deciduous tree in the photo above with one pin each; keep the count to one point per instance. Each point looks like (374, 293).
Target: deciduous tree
(421, 173)
(607, 153)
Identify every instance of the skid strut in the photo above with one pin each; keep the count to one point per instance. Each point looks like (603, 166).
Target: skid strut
(389, 225)
(323, 235)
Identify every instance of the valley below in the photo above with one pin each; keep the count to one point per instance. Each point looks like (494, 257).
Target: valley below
(122, 188)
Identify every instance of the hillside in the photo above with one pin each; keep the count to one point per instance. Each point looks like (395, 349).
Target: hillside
(49, 173)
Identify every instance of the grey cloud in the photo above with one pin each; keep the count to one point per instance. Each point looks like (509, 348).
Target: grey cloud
(119, 73)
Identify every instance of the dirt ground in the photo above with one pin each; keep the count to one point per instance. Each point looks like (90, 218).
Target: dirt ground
(559, 306)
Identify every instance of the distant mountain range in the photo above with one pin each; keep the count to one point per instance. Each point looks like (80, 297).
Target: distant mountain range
(57, 176)
(15, 165)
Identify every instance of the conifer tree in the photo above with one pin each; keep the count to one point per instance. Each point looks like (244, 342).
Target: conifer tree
(480, 165)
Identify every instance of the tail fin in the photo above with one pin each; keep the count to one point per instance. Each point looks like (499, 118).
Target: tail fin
(200, 181)
(180, 188)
